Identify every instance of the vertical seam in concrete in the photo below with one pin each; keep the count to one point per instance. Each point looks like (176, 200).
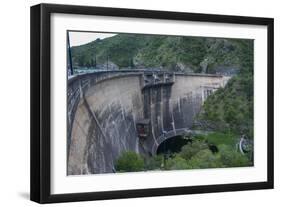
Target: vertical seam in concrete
(152, 126)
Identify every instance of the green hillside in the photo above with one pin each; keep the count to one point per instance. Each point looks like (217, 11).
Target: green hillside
(189, 54)
(232, 108)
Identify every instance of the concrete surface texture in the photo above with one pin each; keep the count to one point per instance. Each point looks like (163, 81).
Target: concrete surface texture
(109, 105)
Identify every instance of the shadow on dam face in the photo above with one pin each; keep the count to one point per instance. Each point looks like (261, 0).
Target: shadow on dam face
(104, 110)
(172, 145)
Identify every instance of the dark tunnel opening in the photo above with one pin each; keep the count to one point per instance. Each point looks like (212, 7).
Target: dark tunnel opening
(172, 145)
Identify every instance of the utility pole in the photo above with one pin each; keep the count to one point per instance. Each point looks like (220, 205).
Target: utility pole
(69, 54)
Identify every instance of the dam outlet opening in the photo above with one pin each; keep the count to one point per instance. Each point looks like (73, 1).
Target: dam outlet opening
(172, 145)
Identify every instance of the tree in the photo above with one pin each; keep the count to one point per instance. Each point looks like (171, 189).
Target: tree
(193, 148)
(205, 159)
(176, 163)
(154, 162)
(129, 162)
(231, 158)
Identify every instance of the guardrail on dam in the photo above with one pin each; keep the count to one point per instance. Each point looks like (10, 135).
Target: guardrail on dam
(105, 107)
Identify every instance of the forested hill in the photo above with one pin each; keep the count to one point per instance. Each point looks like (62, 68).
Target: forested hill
(231, 109)
(187, 54)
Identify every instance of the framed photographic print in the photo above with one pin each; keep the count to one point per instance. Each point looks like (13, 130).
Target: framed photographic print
(133, 103)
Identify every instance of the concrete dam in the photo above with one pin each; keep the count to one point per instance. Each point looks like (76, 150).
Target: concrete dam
(106, 108)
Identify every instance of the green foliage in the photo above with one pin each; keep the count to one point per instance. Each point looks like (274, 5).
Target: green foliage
(205, 159)
(129, 162)
(154, 162)
(232, 158)
(226, 157)
(218, 138)
(119, 49)
(231, 108)
(192, 156)
(198, 155)
(176, 163)
(169, 52)
(191, 149)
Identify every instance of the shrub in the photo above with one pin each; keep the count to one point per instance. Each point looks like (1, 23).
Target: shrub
(129, 162)
(218, 138)
(190, 150)
(154, 162)
(232, 158)
(176, 163)
(205, 159)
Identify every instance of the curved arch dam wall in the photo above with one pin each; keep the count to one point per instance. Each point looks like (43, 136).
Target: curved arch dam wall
(102, 120)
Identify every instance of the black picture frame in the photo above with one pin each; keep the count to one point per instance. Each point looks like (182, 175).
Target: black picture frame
(41, 99)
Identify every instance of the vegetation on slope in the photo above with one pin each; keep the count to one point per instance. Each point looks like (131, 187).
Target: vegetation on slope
(190, 54)
(129, 162)
(231, 108)
(194, 155)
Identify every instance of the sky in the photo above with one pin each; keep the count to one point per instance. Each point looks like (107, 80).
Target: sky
(80, 38)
